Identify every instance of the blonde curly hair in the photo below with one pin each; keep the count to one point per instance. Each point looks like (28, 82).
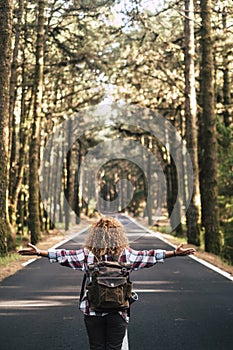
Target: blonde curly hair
(106, 236)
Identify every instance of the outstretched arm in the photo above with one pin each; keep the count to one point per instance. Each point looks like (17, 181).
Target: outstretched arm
(70, 258)
(33, 250)
(179, 251)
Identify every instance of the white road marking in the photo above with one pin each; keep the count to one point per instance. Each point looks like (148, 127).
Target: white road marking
(201, 261)
(30, 261)
(125, 345)
(212, 267)
(69, 238)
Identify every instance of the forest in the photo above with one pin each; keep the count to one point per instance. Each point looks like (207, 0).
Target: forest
(117, 106)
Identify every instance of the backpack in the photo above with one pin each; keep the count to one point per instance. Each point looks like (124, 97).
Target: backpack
(108, 286)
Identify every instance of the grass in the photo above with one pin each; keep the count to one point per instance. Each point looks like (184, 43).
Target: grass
(4, 261)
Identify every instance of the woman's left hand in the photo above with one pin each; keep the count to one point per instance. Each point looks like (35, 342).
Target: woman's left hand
(179, 251)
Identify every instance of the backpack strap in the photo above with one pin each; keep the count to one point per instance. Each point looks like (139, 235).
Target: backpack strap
(87, 274)
(83, 286)
(89, 262)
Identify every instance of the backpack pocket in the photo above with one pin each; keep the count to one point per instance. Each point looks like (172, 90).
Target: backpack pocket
(109, 294)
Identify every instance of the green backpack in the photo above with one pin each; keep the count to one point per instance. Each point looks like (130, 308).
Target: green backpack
(108, 286)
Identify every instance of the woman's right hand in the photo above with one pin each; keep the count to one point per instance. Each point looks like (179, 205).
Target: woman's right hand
(33, 250)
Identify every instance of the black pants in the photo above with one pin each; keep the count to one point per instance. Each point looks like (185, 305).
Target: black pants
(105, 332)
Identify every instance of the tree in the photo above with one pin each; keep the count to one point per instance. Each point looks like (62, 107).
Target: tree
(13, 175)
(69, 177)
(133, 53)
(226, 70)
(193, 213)
(34, 212)
(208, 151)
(5, 58)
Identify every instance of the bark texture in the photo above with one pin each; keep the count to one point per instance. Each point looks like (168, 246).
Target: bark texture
(5, 59)
(193, 213)
(208, 173)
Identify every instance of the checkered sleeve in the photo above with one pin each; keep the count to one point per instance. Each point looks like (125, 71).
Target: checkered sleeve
(70, 258)
(142, 258)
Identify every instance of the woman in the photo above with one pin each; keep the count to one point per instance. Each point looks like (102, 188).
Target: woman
(106, 240)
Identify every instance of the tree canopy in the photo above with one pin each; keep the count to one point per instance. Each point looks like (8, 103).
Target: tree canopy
(90, 78)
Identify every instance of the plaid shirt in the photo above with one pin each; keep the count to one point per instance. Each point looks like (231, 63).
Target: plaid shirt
(79, 259)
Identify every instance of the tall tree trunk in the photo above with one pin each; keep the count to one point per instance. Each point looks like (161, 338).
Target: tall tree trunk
(34, 210)
(20, 209)
(77, 208)
(69, 189)
(193, 212)
(149, 195)
(226, 72)
(171, 174)
(5, 59)
(208, 173)
(25, 112)
(13, 94)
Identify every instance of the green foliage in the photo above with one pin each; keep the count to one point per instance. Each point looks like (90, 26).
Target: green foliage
(227, 250)
(225, 185)
(121, 50)
(225, 157)
(4, 261)
(226, 225)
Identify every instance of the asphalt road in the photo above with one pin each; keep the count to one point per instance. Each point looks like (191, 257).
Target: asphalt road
(182, 305)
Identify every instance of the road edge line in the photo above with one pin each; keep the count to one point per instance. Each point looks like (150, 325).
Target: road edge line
(30, 261)
(201, 261)
(69, 238)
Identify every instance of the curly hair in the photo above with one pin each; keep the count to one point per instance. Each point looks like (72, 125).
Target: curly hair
(106, 236)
